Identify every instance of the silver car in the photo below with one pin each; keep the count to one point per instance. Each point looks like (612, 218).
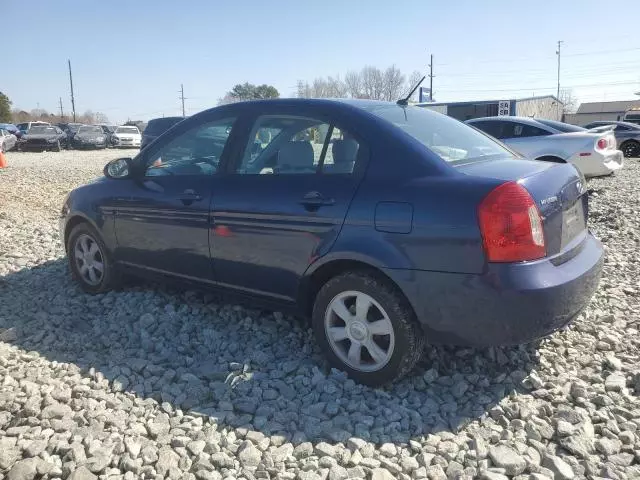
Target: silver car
(593, 153)
(7, 140)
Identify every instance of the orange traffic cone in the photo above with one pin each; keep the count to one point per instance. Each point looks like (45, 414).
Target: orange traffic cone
(3, 160)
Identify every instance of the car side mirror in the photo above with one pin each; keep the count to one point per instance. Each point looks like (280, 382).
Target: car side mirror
(119, 168)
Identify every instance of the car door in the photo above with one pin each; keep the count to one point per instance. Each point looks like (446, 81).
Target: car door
(283, 203)
(162, 225)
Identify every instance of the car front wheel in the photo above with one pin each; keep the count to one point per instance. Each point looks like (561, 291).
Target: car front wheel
(367, 328)
(89, 260)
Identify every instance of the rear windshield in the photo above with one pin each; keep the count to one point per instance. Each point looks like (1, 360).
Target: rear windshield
(127, 130)
(161, 125)
(560, 126)
(448, 138)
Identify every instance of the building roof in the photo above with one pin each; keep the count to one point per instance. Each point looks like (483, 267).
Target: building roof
(608, 107)
(484, 102)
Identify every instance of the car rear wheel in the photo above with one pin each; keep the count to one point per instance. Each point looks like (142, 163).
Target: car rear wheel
(630, 148)
(367, 328)
(89, 260)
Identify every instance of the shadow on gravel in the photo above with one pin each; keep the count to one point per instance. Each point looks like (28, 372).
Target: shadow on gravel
(215, 360)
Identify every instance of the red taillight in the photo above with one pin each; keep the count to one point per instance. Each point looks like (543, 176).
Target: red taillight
(511, 225)
(602, 143)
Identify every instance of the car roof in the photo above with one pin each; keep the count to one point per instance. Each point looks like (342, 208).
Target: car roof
(525, 120)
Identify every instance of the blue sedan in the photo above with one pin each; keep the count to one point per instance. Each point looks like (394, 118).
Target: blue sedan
(388, 226)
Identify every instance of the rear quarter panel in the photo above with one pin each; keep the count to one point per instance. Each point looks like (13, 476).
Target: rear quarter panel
(561, 145)
(443, 234)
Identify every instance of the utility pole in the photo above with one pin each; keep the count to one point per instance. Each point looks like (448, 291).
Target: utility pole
(560, 42)
(431, 75)
(182, 98)
(73, 100)
(61, 111)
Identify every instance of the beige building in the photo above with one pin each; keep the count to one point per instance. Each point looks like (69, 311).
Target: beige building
(593, 111)
(548, 107)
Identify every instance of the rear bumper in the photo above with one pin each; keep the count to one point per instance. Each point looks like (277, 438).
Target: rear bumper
(509, 304)
(598, 164)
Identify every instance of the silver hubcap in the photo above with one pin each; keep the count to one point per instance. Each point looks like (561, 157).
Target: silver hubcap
(89, 259)
(359, 331)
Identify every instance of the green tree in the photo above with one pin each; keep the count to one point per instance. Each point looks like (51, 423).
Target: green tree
(248, 91)
(5, 108)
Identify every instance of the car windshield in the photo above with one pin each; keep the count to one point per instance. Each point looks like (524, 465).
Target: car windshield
(127, 130)
(37, 130)
(450, 139)
(89, 130)
(560, 126)
(73, 128)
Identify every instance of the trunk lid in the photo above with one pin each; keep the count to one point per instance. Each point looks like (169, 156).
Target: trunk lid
(558, 190)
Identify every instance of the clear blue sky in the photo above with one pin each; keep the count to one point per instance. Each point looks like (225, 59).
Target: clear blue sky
(130, 57)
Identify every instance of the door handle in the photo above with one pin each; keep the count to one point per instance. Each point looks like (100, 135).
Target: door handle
(189, 196)
(316, 200)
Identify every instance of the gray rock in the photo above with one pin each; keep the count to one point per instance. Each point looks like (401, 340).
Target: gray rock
(608, 446)
(56, 410)
(561, 469)
(249, 455)
(507, 458)
(35, 448)
(615, 382)
(338, 473)
(488, 475)
(303, 450)
(435, 472)
(167, 459)
(23, 470)
(381, 474)
(82, 473)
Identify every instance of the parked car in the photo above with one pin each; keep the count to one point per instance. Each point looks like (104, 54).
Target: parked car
(71, 129)
(108, 131)
(24, 127)
(11, 128)
(7, 140)
(126, 137)
(593, 153)
(627, 135)
(411, 227)
(157, 127)
(89, 136)
(43, 137)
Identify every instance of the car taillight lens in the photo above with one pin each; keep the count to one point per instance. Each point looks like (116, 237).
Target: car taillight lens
(602, 143)
(511, 225)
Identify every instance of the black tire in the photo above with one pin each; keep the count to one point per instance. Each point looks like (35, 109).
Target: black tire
(109, 279)
(630, 148)
(409, 340)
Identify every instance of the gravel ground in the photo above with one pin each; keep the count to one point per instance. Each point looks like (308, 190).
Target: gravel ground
(151, 382)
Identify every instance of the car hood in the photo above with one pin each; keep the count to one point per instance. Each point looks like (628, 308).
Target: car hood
(87, 136)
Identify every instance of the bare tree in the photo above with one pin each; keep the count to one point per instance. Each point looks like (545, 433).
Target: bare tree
(353, 83)
(393, 81)
(570, 103)
(337, 88)
(372, 83)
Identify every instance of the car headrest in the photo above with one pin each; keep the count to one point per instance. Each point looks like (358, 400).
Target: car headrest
(344, 151)
(298, 155)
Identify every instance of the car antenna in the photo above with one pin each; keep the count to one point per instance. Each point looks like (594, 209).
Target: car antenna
(405, 101)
